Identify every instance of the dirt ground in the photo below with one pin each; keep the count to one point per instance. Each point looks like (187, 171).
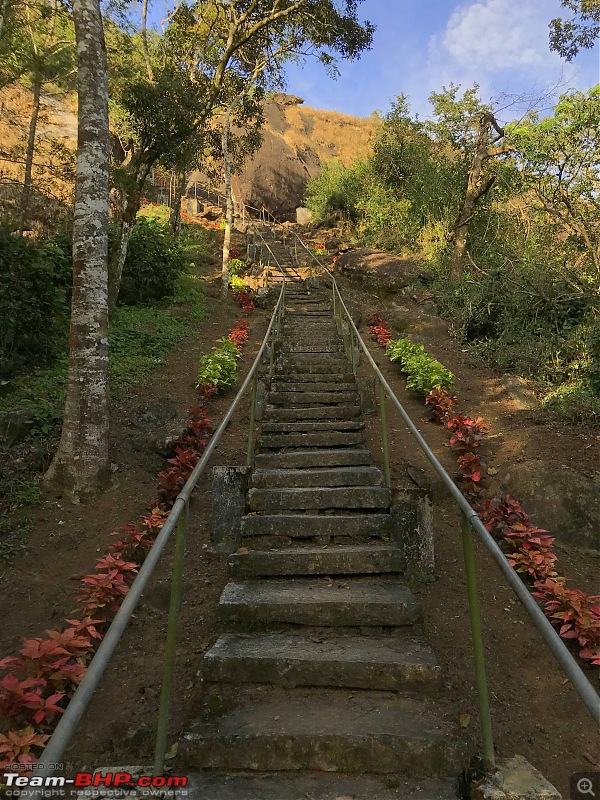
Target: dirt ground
(535, 712)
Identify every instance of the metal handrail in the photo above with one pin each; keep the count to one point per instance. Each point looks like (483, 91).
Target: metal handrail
(61, 737)
(557, 647)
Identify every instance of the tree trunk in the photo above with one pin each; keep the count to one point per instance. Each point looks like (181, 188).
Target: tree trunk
(28, 179)
(81, 466)
(127, 217)
(475, 190)
(228, 195)
(175, 218)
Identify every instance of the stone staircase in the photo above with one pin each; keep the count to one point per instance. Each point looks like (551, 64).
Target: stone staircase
(322, 685)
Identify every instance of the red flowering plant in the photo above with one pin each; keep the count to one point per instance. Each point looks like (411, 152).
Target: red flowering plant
(575, 613)
(379, 330)
(16, 748)
(245, 301)
(240, 334)
(467, 433)
(441, 404)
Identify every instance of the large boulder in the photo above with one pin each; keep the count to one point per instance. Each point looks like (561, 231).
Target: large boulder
(564, 502)
(379, 269)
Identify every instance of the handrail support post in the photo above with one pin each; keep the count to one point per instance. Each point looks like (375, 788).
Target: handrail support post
(489, 760)
(166, 694)
(384, 435)
(254, 394)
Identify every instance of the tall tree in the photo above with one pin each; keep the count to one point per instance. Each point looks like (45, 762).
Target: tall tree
(581, 32)
(559, 156)
(199, 50)
(472, 131)
(81, 466)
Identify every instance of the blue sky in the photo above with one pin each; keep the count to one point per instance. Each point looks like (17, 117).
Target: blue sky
(421, 45)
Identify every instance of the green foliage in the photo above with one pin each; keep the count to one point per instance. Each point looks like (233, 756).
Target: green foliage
(569, 36)
(237, 284)
(34, 285)
(424, 373)
(236, 266)
(576, 401)
(155, 211)
(219, 368)
(189, 292)
(154, 261)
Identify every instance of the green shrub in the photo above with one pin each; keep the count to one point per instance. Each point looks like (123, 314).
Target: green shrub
(424, 373)
(575, 402)
(35, 279)
(237, 284)
(154, 261)
(219, 368)
(236, 266)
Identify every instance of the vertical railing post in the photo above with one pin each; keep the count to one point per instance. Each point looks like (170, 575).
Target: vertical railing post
(171, 643)
(272, 353)
(250, 455)
(384, 435)
(489, 761)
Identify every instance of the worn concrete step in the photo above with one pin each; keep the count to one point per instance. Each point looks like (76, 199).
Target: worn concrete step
(351, 602)
(276, 441)
(301, 348)
(328, 731)
(338, 560)
(336, 476)
(211, 785)
(272, 501)
(311, 427)
(340, 411)
(388, 663)
(291, 398)
(339, 527)
(314, 377)
(282, 386)
(312, 367)
(314, 458)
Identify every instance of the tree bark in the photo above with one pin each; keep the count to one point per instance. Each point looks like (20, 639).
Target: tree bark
(81, 466)
(229, 210)
(175, 218)
(477, 187)
(28, 179)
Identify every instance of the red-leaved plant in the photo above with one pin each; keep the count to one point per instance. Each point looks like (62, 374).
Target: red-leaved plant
(441, 404)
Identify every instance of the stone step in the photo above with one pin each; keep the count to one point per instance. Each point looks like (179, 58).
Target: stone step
(340, 411)
(352, 602)
(312, 367)
(314, 458)
(328, 731)
(272, 501)
(306, 526)
(387, 663)
(305, 398)
(336, 476)
(315, 377)
(211, 785)
(275, 441)
(299, 348)
(337, 560)
(311, 427)
(282, 386)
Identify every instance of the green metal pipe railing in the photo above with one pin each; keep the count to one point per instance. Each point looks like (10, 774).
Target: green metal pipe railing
(472, 522)
(176, 520)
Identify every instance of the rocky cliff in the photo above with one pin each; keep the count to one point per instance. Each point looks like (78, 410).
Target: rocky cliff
(296, 141)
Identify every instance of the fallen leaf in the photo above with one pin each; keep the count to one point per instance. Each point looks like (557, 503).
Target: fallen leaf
(492, 471)
(242, 551)
(464, 720)
(591, 759)
(172, 751)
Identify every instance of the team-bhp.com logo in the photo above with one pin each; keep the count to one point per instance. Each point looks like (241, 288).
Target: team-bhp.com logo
(20, 784)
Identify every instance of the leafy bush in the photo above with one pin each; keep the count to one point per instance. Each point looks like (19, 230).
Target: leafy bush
(424, 373)
(35, 279)
(236, 266)
(154, 261)
(237, 284)
(219, 368)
